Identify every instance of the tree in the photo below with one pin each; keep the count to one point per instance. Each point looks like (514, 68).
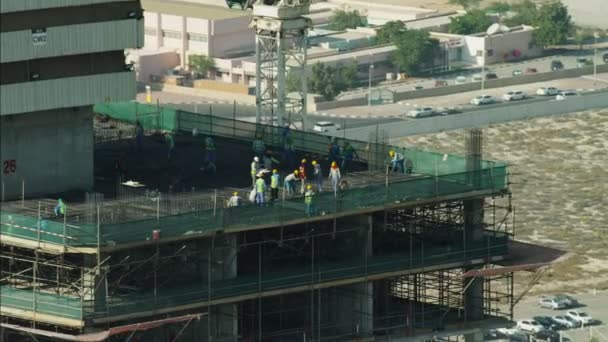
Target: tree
(498, 7)
(526, 13)
(466, 4)
(473, 22)
(582, 34)
(293, 81)
(200, 64)
(553, 24)
(324, 81)
(389, 32)
(341, 20)
(348, 76)
(414, 47)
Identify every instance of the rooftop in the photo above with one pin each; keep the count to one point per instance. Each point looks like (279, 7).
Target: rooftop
(192, 10)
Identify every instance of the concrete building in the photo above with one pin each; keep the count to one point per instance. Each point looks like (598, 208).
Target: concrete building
(57, 59)
(483, 49)
(414, 256)
(199, 29)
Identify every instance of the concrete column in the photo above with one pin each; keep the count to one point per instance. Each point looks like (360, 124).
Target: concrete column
(94, 283)
(473, 226)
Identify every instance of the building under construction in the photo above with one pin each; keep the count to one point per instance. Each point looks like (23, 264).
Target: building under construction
(154, 253)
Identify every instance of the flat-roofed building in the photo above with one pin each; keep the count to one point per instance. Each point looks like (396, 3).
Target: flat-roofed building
(58, 58)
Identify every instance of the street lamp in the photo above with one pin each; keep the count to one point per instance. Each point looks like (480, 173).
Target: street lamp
(369, 95)
(595, 36)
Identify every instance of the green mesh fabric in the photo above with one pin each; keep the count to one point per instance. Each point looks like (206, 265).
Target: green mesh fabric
(46, 230)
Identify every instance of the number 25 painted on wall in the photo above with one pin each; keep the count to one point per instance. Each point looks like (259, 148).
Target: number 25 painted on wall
(9, 166)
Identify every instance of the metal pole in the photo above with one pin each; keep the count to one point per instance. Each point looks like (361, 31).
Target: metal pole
(34, 279)
(22, 193)
(234, 118)
(158, 208)
(209, 295)
(65, 219)
(483, 68)
(214, 201)
(38, 226)
(260, 292)
(312, 292)
(369, 93)
(98, 239)
(2, 192)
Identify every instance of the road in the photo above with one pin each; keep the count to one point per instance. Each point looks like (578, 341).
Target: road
(504, 70)
(595, 305)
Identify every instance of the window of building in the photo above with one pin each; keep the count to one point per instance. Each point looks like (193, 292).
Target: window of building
(150, 31)
(490, 52)
(479, 53)
(531, 44)
(196, 37)
(172, 34)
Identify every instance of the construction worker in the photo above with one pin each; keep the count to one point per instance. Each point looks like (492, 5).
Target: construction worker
(317, 175)
(210, 155)
(255, 167)
(334, 176)
(258, 145)
(139, 135)
(302, 172)
(274, 185)
(308, 200)
(397, 161)
(170, 145)
(334, 151)
(235, 200)
(260, 188)
(348, 154)
(290, 182)
(60, 208)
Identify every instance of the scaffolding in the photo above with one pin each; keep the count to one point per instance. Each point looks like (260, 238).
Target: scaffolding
(386, 255)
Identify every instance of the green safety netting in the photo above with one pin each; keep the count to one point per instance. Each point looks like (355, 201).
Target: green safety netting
(494, 244)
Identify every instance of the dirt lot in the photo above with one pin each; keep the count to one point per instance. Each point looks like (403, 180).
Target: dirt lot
(560, 189)
(441, 5)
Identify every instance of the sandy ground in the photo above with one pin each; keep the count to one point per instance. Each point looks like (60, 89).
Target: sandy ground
(560, 189)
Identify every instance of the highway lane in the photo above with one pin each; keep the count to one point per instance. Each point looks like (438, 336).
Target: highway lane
(484, 116)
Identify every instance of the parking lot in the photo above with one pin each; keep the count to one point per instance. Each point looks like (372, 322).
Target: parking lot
(594, 304)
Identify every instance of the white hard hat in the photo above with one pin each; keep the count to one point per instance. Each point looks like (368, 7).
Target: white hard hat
(256, 159)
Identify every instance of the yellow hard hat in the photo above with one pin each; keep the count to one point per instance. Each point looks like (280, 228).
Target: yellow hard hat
(303, 161)
(275, 171)
(296, 172)
(235, 193)
(334, 164)
(314, 162)
(391, 153)
(308, 187)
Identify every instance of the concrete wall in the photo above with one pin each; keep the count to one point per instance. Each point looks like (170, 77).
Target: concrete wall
(500, 47)
(52, 150)
(154, 64)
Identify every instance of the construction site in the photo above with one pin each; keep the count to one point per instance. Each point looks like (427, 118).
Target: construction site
(154, 251)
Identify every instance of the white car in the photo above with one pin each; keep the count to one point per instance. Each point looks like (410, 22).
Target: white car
(547, 91)
(325, 126)
(530, 325)
(565, 321)
(421, 112)
(460, 80)
(580, 317)
(565, 95)
(477, 78)
(482, 99)
(568, 300)
(514, 95)
(552, 303)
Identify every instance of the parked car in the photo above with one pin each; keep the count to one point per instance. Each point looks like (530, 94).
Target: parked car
(421, 112)
(583, 62)
(491, 76)
(448, 111)
(546, 335)
(566, 321)
(580, 316)
(547, 91)
(460, 80)
(517, 72)
(477, 78)
(417, 87)
(605, 58)
(325, 126)
(550, 302)
(568, 300)
(514, 95)
(513, 334)
(549, 323)
(530, 71)
(482, 99)
(529, 325)
(441, 83)
(563, 95)
(557, 65)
